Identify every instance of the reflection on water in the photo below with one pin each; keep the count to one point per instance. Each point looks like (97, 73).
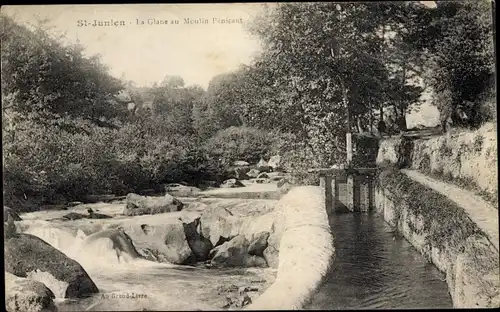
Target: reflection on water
(377, 269)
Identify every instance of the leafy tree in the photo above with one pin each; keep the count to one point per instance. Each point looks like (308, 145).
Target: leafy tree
(322, 61)
(47, 82)
(462, 60)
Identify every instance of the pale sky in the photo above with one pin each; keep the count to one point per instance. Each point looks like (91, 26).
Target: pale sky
(147, 53)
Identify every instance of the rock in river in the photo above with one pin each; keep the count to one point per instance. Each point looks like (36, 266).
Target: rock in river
(27, 254)
(253, 173)
(240, 163)
(119, 242)
(160, 242)
(258, 244)
(231, 183)
(274, 162)
(178, 189)
(217, 224)
(9, 212)
(24, 295)
(234, 253)
(200, 246)
(140, 205)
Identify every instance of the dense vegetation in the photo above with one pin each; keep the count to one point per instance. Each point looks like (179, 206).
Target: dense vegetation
(71, 129)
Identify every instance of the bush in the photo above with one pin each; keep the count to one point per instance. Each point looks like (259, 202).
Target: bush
(239, 143)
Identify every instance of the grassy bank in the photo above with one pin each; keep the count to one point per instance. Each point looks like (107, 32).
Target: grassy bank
(444, 220)
(445, 234)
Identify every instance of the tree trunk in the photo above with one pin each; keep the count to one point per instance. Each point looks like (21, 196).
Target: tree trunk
(371, 117)
(402, 104)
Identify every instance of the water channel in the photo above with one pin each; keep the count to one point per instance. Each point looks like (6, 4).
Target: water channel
(376, 268)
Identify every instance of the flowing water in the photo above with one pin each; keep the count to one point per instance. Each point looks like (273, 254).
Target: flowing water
(375, 268)
(133, 284)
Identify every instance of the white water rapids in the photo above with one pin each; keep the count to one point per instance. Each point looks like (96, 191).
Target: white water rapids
(126, 282)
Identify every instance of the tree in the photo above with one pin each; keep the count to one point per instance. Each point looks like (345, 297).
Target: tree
(47, 82)
(462, 59)
(320, 60)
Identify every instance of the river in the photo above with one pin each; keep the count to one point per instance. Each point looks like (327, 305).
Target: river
(136, 284)
(376, 268)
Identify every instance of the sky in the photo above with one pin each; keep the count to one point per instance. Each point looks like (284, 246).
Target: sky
(147, 53)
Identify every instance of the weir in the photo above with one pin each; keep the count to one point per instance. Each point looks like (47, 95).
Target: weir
(349, 189)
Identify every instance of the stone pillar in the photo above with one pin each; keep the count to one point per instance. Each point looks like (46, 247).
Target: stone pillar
(371, 194)
(350, 192)
(349, 148)
(334, 192)
(325, 182)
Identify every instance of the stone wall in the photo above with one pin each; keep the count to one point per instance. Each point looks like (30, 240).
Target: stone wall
(466, 157)
(306, 249)
(449, 240)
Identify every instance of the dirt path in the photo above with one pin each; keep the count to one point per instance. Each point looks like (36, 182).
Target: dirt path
(479, 210)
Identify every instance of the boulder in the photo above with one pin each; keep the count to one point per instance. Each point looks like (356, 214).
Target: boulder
(274, 162)
(231, 183)
(258, 244)
(160, 242)
(195, 206)
(262, 163)
(253, 173)
(276, 175)
(121, 244)
(25, 253)
(271, 253)
(99, 216)
(240, 301)
(73, 216)
(240, 163)
(261, 181)
(10, 213)
(178, 189)
(234, 253)
(282, 182)
(140, 205)
(200, 246)
(93, 215)
(264, 169)
(239, 173)
(23, 295)
(216, 224)
(263, 175)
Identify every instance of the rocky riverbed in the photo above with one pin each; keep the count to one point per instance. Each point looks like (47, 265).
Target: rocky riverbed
(208, 253)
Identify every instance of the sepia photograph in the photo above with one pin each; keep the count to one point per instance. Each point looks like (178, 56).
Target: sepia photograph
(250, 156)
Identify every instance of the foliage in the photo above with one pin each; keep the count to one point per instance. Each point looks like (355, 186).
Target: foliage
(51, 83)
(325, 69)
(238, 143)
(462, 63)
